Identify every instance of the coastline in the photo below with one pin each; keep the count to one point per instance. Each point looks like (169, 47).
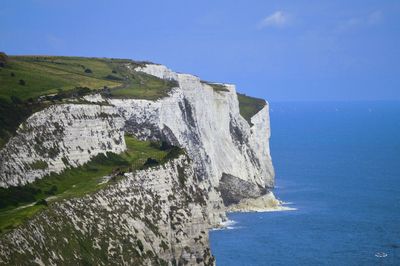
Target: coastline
(265, 203)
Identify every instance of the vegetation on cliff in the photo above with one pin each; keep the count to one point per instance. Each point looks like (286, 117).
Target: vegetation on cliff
(249, 106)
(19, 203)
(31, 83)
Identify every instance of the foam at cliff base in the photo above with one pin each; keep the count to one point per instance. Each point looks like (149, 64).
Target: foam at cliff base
(228, 224)
(265, 203)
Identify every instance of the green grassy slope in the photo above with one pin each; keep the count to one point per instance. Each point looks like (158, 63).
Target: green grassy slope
(18, 204)
(23, 79)
(43, 75)
(143, 86)
(249, 106)
(49, 75)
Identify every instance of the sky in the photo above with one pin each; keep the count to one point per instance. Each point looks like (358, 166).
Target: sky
(278, 50)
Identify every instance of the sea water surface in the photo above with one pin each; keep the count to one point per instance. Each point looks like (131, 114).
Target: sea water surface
(338, 163)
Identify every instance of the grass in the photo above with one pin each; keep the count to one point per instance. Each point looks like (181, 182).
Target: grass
(18, 203)
(64, 77)
(11, 219)
(48, 75)
(44, 75)
(144, 86)
(216, 86)
(249, 106)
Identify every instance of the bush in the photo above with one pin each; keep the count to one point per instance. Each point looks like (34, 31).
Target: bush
(12, 74)
(140, 245)
(52, 190)
(22, 82)
(76, 92)
(39, 165)
(161, 145)
(12, 114)
(3, 57)
(41, 202)
(109, 159)
(88, 70)
(15, 195)
(150, 162)
(174, 153)
(112, 77)
(15, 99)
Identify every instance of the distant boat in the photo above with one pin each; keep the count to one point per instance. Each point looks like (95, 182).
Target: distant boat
(381, 254)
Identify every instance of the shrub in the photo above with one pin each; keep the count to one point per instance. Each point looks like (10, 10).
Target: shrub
(88, 70)
(22, 82)
(3, 57)
(109, 159)
(15, 195)
(15, 99)
(52, 190)
(41, 202)
(150, 162)
(112, 77)
(174, 153)
(140, 245)
(39, 165)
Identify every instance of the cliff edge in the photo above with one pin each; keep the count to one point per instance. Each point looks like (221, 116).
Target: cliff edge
(157, 215)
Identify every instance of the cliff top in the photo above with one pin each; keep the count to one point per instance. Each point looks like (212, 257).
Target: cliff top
(31, 83)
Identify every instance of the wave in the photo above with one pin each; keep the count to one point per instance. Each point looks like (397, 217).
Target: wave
(226, 225)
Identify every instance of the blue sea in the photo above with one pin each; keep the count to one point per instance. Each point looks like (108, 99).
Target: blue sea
(338, 164)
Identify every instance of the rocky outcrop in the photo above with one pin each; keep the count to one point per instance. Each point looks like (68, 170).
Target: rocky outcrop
(65, 135)
(234, 189)
(264, 203)
(150, 217)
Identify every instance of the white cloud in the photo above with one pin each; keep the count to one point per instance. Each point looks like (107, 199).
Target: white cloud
(276, 19)
(373, 18)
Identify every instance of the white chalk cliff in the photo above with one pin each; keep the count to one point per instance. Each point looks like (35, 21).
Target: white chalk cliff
(228, 159)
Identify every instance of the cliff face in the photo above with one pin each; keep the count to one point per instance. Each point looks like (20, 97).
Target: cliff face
(204, 120)
(150, 217)
(208, 124)
(62, 135)
(196, 117)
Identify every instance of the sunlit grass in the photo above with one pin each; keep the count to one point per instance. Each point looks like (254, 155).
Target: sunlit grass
(76, 182)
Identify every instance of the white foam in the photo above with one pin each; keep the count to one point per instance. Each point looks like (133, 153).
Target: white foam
(226, 225)
(276, 209)
(265, 203)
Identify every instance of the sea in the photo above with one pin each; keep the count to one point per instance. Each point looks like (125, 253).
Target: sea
(338, 166)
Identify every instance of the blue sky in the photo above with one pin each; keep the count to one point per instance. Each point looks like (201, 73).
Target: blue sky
(278, 50)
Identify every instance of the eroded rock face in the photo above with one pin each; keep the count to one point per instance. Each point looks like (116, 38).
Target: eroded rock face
(61, 135)
(234, 189)
(196, 117)
(149, 217)
(207, 123)
(106, 227)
